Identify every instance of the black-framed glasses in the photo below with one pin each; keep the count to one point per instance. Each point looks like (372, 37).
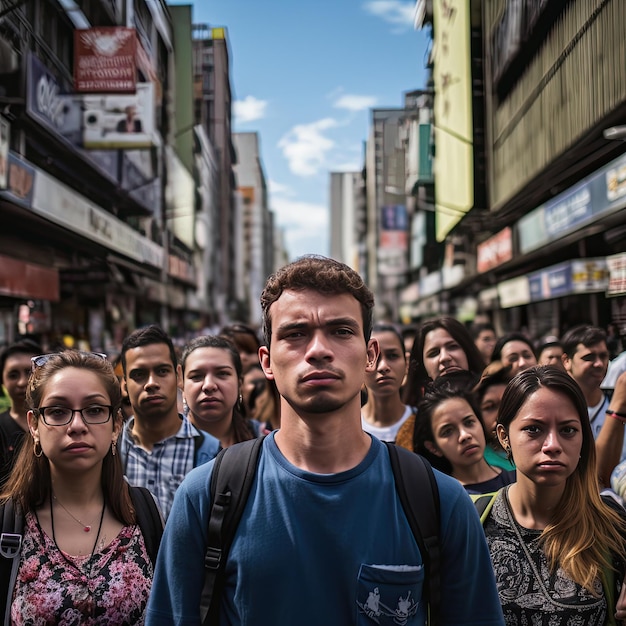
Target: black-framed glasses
(42, 359)
(63, 415)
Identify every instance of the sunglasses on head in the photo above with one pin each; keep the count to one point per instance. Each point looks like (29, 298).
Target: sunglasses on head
(42, 359)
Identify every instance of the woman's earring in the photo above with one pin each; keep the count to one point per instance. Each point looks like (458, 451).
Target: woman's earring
(114, 448)
(35, 448)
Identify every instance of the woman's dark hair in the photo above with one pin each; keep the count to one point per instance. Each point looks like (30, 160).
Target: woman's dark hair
(382, 327)
(502, 341)
(241, 428)
(417, 377)
(30, 480)
(453, 385)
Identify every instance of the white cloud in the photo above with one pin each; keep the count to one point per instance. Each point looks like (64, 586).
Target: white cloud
(395, 12)
(249, 109)
(355, 103)
(305, 225)
(305, 146)
(275, 188)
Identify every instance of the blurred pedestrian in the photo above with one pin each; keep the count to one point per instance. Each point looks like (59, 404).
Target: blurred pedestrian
(15, 367)
(384, 412)
(246, 340)
(488, 393)
(516, 350)
(550, 352)
(443, 345)
(484, 336)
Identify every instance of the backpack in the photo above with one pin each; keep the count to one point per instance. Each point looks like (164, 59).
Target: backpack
(149, 519)
(231, 481)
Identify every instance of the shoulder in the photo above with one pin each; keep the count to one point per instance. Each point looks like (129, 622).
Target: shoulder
(404, 438)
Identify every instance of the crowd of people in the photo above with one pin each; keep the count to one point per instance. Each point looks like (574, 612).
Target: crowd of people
(324, 532)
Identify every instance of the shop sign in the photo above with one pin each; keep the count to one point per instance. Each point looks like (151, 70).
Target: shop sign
(104, 60)
(579, 276)
(514, 292)
(617, 274)
(495, 251)
(430, 284)
(589, 275)
(488, 298)
(568, 210)
(181, 269)
(21, 180)
(27, 280)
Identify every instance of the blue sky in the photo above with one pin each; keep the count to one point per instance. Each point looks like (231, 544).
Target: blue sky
(304, 75)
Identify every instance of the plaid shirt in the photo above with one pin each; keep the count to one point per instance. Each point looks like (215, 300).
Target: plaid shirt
(163, 468)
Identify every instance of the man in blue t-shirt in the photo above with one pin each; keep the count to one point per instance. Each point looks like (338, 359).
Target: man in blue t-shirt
(323, 538)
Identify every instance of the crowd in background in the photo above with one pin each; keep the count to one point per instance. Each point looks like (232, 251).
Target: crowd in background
(472, 402)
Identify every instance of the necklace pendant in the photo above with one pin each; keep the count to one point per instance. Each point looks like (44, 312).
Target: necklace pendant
(87, 529)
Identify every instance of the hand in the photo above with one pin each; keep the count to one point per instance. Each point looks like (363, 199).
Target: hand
(618, 401)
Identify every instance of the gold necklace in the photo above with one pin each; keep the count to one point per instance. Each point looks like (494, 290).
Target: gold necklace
(86, 527)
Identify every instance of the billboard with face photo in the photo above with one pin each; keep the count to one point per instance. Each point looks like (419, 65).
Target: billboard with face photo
(119, 120)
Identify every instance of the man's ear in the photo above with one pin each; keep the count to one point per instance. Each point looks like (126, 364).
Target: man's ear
(373, 352)
(179, 376)
(433, 449)
(264, 359)
(567, 362)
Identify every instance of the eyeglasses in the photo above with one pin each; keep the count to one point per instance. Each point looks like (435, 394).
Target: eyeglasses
(42, 359)
(62, 415)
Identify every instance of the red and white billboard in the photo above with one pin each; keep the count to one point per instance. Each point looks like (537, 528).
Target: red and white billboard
(104, 60)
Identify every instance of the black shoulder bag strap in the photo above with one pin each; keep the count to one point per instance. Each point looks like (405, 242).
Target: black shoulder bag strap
(12, 523)
(419, 495)
(231, 481)
(149, 520)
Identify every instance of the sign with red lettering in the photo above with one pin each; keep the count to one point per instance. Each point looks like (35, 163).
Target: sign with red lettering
(104, 60)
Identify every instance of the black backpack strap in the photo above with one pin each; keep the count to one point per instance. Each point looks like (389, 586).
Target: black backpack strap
(149, 520)
(419, 495)
(231, 481)
(12, 524)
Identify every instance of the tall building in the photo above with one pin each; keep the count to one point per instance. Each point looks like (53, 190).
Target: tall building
(347, 210)
(256, 242)
(212, 110)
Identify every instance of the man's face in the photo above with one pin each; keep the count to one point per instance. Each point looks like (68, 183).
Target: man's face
(318, 352)
(15, 377)
(151, 382)
(588, 365)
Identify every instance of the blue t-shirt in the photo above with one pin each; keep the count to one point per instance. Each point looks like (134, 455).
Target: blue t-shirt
(331, 549)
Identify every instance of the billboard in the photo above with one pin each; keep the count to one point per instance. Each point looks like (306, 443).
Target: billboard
(119, 121)
(104, 60)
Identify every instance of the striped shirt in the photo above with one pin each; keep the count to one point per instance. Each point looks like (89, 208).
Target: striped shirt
(163, 468)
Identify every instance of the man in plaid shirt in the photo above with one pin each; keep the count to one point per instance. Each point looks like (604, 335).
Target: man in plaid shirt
(158, 446)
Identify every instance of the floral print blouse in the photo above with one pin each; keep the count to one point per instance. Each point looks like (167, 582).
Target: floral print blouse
(55, 588)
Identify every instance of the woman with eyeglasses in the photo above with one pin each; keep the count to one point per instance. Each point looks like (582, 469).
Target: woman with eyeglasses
(83, 559)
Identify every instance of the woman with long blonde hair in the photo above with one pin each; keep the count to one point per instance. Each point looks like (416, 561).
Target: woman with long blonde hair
(555, 545)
